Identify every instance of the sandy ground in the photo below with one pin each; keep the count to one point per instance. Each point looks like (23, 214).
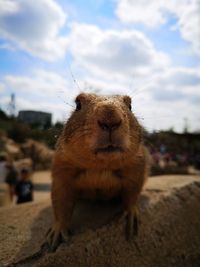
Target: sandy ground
(169, 233)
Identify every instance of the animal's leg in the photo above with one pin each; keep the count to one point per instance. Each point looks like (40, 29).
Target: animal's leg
(63, 202)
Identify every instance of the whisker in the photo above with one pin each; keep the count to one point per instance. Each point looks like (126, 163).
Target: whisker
(143, 88)
(139, 92)
(64, 100)
(139, 118)
(74, 140)
(73, 77)
(81, 132)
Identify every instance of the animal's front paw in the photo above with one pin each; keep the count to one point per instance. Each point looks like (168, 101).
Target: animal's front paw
(55, 236)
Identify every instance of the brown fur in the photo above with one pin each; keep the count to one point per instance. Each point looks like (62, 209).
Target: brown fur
(83, 167)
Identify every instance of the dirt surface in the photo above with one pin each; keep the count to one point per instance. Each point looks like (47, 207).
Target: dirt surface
(169, 232)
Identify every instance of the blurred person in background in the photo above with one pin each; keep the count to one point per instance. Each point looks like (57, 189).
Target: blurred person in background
(3, 169)
(24, 187)
(11, 179)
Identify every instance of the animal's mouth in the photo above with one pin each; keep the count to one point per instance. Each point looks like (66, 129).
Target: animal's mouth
(109, 149)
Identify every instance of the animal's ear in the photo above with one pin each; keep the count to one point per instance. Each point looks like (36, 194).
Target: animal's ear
(79, 101)
(127, 101)
(81, 97)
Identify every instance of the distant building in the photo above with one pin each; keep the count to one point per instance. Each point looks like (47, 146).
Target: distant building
(39, 118)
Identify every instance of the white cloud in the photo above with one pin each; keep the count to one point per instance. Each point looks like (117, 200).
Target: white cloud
(188, 23)
(2, 87)
(169, 98)
(8, 7)
(126, 62)
(39, 82)
(174, 84)
(144, 11)
(155, 12)
(114, 53)
(34, 26)
(156, 115)
(106, 61)
(163, 102)
(41, 90)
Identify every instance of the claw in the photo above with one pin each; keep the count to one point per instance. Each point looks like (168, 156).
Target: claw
(65, 235)
(135, 221)
(55, 236)
(132, 224)
(49, 238)
(47, 232)
(56, 240)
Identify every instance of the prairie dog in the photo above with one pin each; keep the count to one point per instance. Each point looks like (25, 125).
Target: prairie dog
(99, 150)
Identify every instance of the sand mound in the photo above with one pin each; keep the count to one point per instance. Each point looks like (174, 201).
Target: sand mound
(169, 233)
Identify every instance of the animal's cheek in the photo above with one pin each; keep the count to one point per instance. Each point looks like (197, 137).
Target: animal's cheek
(91, 140)
(121, 138)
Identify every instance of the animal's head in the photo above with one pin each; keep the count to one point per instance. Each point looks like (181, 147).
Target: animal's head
(102, 131)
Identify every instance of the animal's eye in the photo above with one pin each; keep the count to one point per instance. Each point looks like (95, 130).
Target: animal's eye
(78, 105)
(130, 106)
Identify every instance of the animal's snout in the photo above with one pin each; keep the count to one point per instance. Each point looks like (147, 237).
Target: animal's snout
(108, 118)
(109, 126)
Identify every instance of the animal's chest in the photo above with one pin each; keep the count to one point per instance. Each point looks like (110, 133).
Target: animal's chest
(98, 184)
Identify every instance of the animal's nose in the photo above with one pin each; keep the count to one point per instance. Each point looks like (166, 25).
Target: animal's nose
(109, 126)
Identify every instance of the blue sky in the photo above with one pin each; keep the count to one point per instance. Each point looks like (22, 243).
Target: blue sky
(149, 50)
